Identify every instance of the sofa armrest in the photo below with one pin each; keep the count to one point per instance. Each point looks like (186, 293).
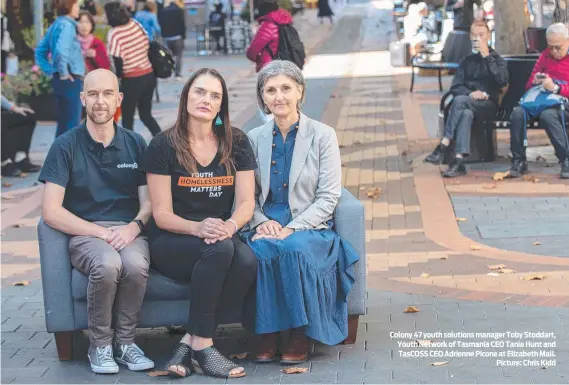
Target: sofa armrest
(349, 220)
(56, 278)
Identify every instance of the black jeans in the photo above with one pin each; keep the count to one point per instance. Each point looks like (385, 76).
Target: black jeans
(138, 92)
(222, 278)
(550, 120)
(462, 113)
(177, 48)
(17, 131)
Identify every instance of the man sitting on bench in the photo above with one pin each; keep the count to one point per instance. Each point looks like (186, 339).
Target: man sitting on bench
(552, 72)
(475, 88)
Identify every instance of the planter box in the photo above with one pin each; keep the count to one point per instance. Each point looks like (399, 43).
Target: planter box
(44, 105)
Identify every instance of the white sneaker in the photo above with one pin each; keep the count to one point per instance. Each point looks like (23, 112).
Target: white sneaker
(133, 357)
(102, 361)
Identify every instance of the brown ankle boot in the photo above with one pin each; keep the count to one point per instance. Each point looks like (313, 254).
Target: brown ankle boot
(296, 351)
(265, 346)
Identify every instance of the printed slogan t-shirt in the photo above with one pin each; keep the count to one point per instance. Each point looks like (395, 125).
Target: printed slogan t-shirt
(209, 193)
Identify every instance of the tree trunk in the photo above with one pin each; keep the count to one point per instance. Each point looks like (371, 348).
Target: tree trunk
(510, 24)
(561, 14)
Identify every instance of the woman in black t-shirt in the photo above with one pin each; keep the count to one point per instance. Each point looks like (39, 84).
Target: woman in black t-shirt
(196, 170)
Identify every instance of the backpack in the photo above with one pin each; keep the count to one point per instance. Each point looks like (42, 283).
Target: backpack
(290, 46)
(160, 57)
(536, 100)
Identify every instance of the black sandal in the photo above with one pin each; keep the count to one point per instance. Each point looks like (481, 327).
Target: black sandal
(211, 362)
(181, 357)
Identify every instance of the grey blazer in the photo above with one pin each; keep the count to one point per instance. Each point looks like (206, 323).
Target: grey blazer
(315, 176)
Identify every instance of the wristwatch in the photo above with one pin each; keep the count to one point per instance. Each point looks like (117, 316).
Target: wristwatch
(139, 223)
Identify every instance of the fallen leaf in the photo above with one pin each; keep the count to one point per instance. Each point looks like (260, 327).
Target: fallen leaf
(496, 267)
(489, 186)
(333, 96)
(341, 146)
(403, 153)
(506, 271)
(6, 184)
(425, 275)
(424, 343)
(444, 257)
(493, 274)
(536, 244)
(158, 373)
(531, 178)
(373, 192)
(439, 363)
(411, 309)
(501, 175)
(343, 165)
(238, 356)
(294, 370)
(22, 283)
(475, 247)
(23, 175)
(540, 159)
(534, 277)
(461, 219)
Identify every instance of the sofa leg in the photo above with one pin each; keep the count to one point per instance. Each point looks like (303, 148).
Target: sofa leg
(64, 342)
(353, 322)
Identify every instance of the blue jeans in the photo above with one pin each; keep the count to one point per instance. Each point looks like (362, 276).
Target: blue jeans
(68, 103)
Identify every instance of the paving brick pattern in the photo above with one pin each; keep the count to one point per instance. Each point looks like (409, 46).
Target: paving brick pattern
(516, 223)
(30, 356)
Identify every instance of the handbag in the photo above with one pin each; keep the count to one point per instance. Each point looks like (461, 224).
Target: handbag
(160, 57)
(536, 100)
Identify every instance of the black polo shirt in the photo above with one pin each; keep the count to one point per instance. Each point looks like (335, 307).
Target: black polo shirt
(101, 183)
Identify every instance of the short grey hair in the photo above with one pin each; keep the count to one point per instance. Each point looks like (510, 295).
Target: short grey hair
(558, 29)
(276, 68)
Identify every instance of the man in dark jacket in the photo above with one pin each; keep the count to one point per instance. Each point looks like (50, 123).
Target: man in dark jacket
(173, 24)
(475, 88)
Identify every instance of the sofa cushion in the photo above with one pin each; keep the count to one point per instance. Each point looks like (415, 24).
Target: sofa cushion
(158, 287)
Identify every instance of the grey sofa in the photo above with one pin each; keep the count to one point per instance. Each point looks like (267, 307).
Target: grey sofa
(166, 301)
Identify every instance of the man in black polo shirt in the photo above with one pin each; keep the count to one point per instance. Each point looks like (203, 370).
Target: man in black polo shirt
(95, 192)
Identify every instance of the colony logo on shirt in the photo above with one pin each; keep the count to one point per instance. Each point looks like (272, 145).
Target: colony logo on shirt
(128, 165)
(205, 182)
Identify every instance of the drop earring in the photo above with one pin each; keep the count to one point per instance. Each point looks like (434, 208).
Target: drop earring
(218, 121)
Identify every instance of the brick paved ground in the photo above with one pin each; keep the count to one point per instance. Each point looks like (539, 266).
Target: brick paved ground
(412, 229)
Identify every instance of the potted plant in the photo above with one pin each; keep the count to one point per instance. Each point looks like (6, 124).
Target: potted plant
(30, 86)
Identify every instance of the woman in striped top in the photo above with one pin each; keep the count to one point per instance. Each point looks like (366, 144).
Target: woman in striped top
(128, 46)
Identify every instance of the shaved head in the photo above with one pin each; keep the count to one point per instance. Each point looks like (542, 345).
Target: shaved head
(98, 77)
(101, 96)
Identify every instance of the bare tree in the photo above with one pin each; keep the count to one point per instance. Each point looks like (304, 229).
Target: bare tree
(561, 13)
(511, 21)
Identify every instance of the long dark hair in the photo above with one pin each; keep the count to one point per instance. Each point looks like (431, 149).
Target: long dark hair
(178, 134)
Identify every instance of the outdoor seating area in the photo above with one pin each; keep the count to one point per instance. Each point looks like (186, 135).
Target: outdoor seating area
(166, 301)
